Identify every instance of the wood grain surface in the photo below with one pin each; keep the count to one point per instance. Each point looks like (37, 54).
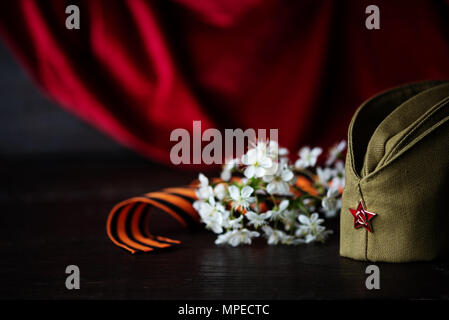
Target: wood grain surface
(54, 212)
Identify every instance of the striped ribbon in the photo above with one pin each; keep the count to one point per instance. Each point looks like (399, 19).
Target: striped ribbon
(128, 222)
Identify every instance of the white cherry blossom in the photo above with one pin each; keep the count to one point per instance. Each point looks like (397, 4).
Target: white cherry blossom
(257, 162)
(211, 214)
(335, 151)
(324, 175)
(237, 237)
(220, 191)
(256, 219)
(308, 157)
(338, 182)
(204, 191)
(241, 198)
(274, 236)
(226, 173)
(331, 204)
(288, 217)
(235, 223)
(311, 229)
(265, 178)
(278, 183)
(275, 214)
(339, 168)
(204, 181)
(289, 239)
(283, 152)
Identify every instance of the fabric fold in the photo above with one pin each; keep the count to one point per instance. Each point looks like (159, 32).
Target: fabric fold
(404, 119)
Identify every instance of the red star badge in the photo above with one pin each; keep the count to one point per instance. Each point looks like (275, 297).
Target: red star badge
(362, 217)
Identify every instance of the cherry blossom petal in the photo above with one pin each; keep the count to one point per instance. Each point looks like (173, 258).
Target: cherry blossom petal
(234, 193)
(247, 191)
(249, 172)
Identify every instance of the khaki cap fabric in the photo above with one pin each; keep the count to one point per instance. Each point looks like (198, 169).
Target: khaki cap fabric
(397, 165)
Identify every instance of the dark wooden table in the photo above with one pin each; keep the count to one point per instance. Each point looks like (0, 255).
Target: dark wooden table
(54, 211)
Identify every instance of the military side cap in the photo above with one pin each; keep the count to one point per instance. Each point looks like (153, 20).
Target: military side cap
(395, 205)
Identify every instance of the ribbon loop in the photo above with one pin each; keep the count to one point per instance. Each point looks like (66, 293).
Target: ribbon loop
(128, 222)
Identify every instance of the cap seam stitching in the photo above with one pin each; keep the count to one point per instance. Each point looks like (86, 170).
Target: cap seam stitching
(366, 231)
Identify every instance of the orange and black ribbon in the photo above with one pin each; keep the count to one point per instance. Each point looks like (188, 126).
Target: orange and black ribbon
(128, 221)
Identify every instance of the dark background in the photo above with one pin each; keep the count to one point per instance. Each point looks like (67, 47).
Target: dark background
(60, 178)
(32, 125)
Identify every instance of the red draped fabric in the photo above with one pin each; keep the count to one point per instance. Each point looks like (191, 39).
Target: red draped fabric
(138, 69)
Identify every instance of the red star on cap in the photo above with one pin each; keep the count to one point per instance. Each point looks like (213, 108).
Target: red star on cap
(362, 217)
